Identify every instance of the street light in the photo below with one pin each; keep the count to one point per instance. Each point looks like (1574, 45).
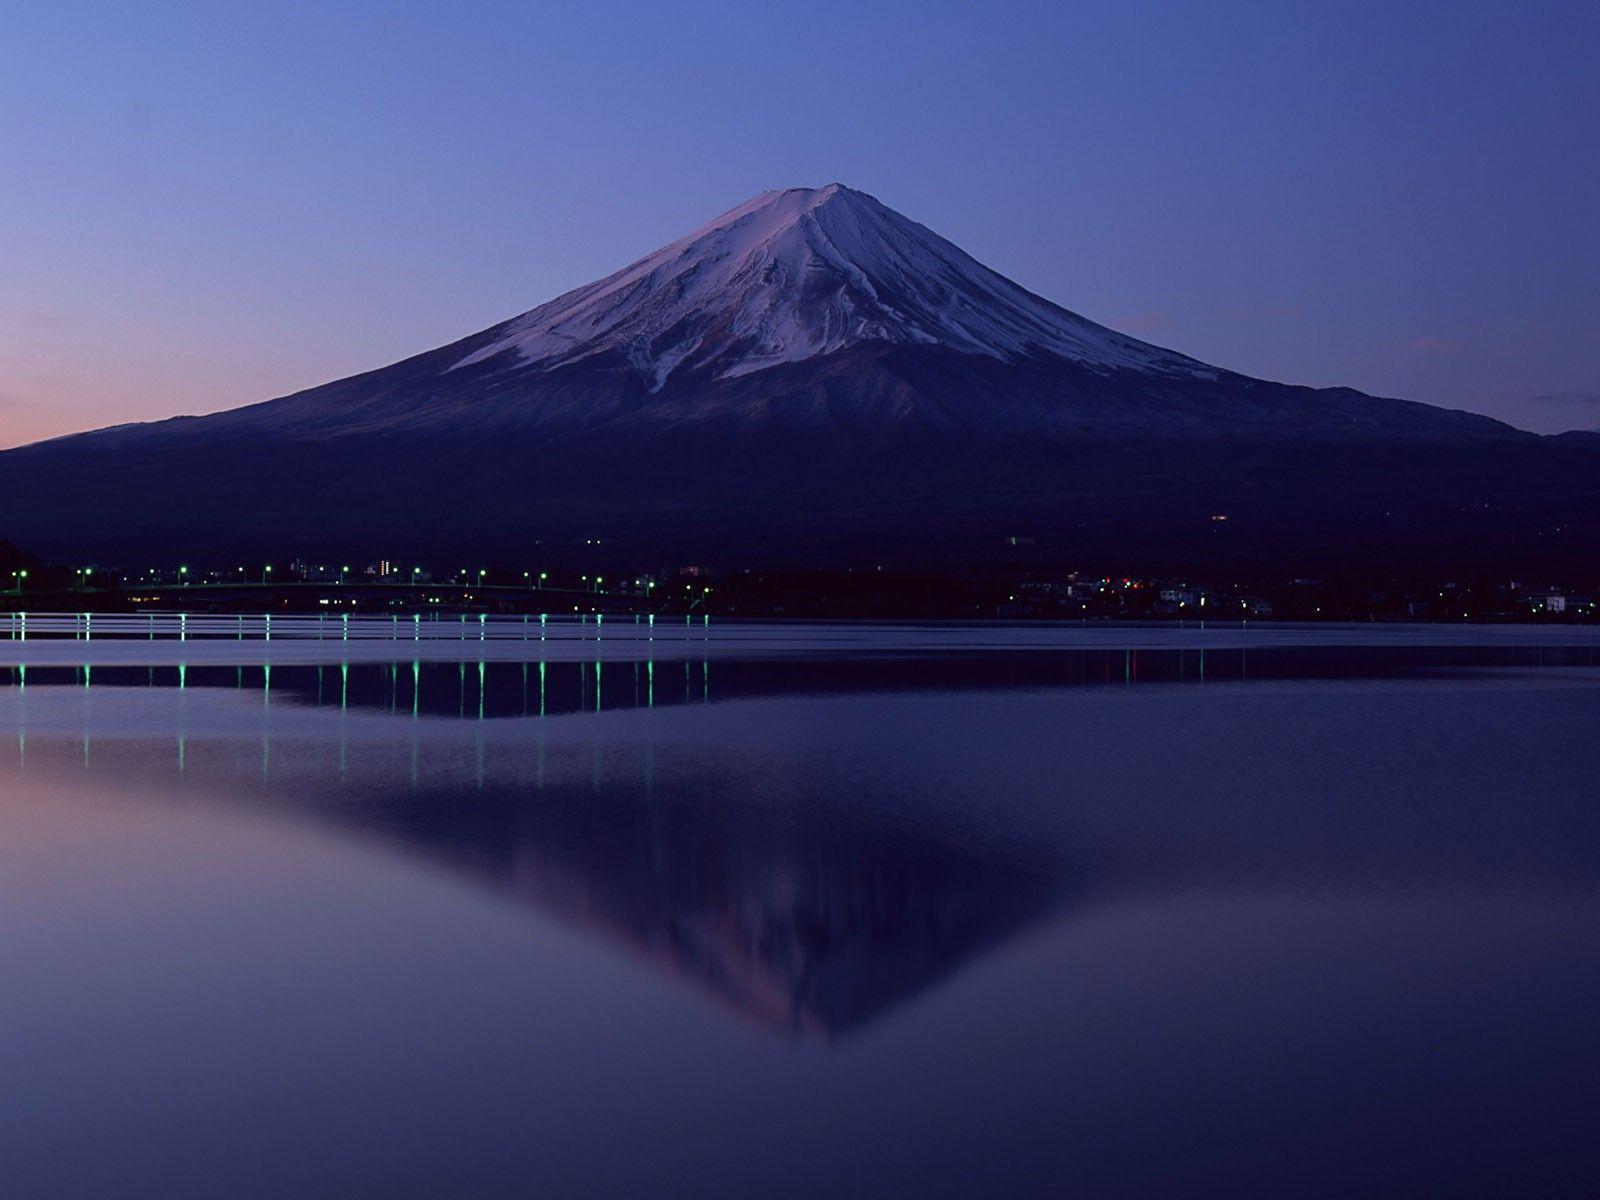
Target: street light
(265, 571)
(183, 576)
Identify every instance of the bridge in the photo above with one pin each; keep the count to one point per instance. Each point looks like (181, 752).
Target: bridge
(311, 596)
(341, 627)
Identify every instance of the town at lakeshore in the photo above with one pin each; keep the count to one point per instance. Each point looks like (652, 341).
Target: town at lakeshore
(1031, 593)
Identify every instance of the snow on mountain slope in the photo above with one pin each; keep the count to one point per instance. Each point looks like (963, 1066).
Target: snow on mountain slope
(793, 274)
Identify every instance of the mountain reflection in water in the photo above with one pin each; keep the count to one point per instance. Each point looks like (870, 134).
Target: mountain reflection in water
(815, 909)
(798, 909)
(816, 925)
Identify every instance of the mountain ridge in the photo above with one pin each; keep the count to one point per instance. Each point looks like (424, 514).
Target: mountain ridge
(811, 369)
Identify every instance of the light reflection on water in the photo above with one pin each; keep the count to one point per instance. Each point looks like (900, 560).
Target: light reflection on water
(529, 686)
(983, 924)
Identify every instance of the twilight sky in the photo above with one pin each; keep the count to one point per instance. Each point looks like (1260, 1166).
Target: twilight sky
(205, 205)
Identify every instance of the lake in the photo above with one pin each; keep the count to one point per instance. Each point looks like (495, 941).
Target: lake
(801, 910)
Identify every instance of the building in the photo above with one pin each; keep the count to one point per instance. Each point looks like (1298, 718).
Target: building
(1550, 600)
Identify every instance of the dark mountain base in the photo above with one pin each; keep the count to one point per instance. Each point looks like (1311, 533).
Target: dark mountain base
(734, 500)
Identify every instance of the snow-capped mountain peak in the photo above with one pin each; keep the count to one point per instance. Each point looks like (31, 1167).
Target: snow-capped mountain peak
(792, 274)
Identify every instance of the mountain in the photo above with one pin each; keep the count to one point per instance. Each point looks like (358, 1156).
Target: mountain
(793, 275)
(814, 378)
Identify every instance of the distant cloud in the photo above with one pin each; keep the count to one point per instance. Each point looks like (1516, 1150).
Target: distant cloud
(1569, 399)
(1272, 311)
(1436, 345)
(1154, 320)
(41, 319)
(1149, 321)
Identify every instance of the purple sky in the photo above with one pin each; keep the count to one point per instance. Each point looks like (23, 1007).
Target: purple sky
(207, 205)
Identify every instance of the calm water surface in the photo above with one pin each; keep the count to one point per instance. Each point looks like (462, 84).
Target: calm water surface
(880, 918)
